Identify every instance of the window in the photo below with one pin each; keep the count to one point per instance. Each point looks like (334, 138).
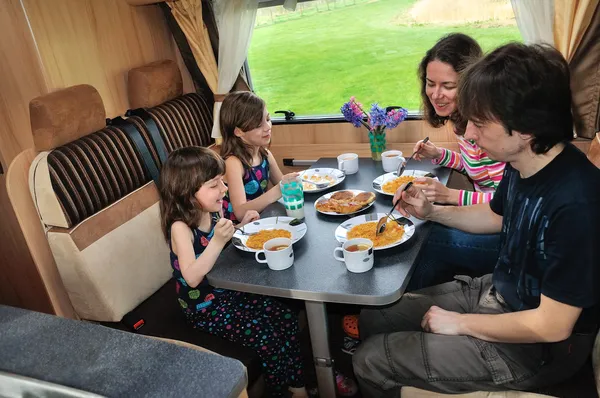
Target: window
(313, 59)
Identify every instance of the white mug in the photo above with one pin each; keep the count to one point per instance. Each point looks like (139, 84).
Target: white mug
(358, 260)
(390, 160)
(277, 257)
(348, 163)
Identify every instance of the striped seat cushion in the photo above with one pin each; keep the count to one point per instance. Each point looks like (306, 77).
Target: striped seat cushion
(184, 121)
(95, 171)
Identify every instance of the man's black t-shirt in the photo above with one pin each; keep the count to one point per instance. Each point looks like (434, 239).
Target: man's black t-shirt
(551, 235)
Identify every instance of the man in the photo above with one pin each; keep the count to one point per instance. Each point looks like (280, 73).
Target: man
(533, 321)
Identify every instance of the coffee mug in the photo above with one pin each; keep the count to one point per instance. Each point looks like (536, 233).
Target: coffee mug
(390, 160)
(348, 163)
(278, 252)
(357, 254)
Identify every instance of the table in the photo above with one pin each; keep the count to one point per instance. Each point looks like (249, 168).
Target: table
(316, 277)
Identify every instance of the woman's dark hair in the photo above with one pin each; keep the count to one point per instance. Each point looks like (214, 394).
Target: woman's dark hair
(244, 110)
(457, 50)
(184, 172)
(525, 88)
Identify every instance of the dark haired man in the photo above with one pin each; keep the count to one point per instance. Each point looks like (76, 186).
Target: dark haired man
(533, 321)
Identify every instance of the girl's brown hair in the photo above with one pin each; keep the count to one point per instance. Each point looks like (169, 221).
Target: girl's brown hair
(184, 172)
(244, 110)
(457, 50)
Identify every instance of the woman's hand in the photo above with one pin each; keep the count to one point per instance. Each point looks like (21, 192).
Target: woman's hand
(413, 203)
(437, 192)
(223, 231)
(426, 151)
(251, 215)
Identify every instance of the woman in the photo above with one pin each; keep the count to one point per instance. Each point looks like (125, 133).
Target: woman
(449, 251)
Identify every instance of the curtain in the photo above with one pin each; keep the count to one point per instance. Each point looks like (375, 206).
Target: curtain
(571, 20)
(235, 20)
(188, 14)
(535, 19)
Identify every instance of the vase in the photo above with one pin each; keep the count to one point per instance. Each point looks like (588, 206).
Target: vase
(377, 141)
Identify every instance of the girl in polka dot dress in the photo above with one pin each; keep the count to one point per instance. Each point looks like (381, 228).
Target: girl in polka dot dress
(191, 197)
(246, 130)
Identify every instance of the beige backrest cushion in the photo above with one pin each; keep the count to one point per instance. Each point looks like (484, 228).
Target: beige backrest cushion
(151, 85)
(411, 392)
(65, 115)
(115, 259)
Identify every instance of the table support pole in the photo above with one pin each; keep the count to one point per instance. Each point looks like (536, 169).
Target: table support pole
(319, 338)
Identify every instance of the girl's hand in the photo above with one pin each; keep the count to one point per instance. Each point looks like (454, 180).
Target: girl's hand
(437, 192)
(289, 176)
(251, 215)
(223, 231)
(426, 151)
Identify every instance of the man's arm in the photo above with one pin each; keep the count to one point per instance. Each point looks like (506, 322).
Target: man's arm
(476, 219)
(552, 321)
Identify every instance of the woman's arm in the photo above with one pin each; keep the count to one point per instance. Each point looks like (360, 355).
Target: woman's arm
(235, 183)
(450, 159)
(194, 269)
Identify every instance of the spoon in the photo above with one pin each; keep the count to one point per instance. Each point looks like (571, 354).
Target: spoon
(217, 217)
(403, 164)
(382, 224)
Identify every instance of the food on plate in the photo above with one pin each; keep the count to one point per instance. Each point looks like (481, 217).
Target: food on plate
(342, 195)
(308, 186)
(392, 186)
(392, 233)
(320, 178)
(257, 240)
(364, 198)
(345, 202)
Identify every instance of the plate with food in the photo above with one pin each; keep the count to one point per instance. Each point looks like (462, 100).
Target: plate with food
(349, 201)
(389, 183)
(398, 230)
(318, 180)
(253, 236)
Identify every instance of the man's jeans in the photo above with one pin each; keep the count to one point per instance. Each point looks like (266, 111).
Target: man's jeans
(396, 352)
(449, 251)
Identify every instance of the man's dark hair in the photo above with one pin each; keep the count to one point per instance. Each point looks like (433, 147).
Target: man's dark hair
(525, 88)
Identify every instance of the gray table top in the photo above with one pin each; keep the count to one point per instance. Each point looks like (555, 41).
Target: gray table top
(110, 362)
(316, 275)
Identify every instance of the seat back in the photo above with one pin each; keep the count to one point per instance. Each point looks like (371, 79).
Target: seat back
(594, 151)
(95, 196)
(156, 93)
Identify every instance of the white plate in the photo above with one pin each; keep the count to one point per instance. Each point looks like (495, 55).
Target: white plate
(319, 175)
(331, 213)
(341, 232)
(382, 179)
(282, 222)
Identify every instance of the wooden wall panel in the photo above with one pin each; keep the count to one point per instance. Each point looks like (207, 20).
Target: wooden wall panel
(97, 42)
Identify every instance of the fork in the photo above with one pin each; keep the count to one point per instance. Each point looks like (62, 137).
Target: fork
(402, 165)
(319, 185)
(382, 223)
(217, 217)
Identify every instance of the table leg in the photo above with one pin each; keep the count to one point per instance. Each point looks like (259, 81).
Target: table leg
(319, 338)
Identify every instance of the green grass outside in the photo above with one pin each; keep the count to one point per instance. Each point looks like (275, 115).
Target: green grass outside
(313, 64)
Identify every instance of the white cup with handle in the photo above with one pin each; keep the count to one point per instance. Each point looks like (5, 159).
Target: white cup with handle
(390, 160)
(357, 254)
(348, 163)
(278, 252)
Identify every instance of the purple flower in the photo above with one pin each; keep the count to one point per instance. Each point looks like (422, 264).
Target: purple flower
(377, 118)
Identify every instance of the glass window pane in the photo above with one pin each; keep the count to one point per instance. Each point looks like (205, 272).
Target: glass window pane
(313, 59)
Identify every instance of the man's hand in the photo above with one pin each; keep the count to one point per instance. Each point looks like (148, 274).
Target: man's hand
(251, 215)
(440, 321)
(223, 231)
(437, 192)
(413, 203)
(426, 151)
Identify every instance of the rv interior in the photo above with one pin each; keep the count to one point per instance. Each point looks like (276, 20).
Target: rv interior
(95, 95)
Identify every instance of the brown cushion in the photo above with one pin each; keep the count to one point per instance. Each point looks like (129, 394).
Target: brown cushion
(594, 151)
(65, 115)
(151, 85)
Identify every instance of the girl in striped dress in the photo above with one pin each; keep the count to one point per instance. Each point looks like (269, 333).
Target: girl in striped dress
(449, 251)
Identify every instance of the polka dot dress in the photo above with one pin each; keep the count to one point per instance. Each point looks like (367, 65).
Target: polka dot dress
(256, 181)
